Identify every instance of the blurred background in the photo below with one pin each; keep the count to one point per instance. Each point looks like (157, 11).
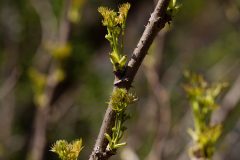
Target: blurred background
(56, 77)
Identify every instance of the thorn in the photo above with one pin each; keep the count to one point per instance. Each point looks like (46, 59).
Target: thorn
(121, 82)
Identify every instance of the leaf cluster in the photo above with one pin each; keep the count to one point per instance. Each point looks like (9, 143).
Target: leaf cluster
(116, 24)
(173, 8)
(202, 97)
(119, 101)
(67, 151)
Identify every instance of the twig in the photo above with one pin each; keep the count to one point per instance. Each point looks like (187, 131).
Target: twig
(163, 115)
(42, 113)
(41, 121)
(7, 109)
(156, 22)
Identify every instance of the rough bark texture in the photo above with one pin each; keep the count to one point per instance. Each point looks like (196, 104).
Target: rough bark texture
(156, 22)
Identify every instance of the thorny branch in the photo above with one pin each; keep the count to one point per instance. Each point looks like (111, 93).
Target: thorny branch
(156, 22)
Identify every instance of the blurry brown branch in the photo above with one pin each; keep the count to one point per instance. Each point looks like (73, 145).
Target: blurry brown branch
(11, 31)
(41, 121)
(9, 83)
(228, 103)
(63, 104)
(48, 23)
(7, 110)
(58, 34)
(163, 114)
(156, 22)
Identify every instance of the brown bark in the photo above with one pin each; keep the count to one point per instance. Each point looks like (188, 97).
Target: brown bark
(156, 22)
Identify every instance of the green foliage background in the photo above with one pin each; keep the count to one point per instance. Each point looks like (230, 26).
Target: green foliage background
(204, 37)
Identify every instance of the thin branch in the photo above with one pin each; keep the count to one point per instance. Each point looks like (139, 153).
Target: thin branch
(163, 115)
(156, 22)
(7, 110)
(48, 23)
(9, 83)
(41, 120)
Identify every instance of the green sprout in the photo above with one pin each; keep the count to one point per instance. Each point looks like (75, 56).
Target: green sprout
(202, 97)
(67, 151)
(119, 101)
(116, 24)
(173, 8)
(117, 132)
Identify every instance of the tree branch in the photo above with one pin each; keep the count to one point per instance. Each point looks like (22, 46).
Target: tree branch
(156, 22)
(59, 35)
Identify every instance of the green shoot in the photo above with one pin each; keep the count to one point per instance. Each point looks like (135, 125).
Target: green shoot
(67, 151)
(116, 24)
(202, 97)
